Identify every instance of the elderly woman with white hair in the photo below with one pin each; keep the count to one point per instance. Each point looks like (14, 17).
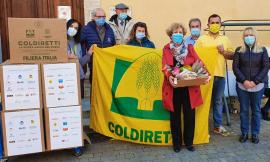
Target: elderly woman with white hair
(176, 99)
(250, 66)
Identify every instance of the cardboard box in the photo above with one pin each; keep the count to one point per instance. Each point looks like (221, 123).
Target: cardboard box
(63, 127)
(20, 86)
(22, 132)
(191, 82)
(61, 84)
(37, 40)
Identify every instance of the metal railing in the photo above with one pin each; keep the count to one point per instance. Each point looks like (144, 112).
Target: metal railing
(239, 23)
(242, 23)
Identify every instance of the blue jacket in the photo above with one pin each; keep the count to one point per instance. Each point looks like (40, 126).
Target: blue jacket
(251, 66)
(144, 43)
(90, 36)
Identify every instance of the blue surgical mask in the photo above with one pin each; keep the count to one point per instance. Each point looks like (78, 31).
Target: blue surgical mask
(122, 16)
(100, 21)
(140, 35)
(177, 38)
(195, 32)
(249, 40)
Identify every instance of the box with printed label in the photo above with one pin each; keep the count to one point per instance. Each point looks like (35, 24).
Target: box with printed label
(63, 127)
(61, 84)
(37, 40)
(23, 132)
(20, 86)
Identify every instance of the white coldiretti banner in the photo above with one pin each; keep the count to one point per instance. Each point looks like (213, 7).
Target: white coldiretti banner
(61, 85)
(22, 132)
(65, 124)
(21, 87)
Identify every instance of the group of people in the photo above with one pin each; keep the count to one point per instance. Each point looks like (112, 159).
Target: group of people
(120, 29)
(250, 66)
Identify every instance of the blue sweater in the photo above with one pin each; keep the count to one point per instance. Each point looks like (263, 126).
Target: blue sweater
(90, 36)
(144, 43)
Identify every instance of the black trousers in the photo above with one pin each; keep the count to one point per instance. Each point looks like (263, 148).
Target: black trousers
(90, 65)
(82, 88)
(266, 107)
(181, 100)
(91, 73)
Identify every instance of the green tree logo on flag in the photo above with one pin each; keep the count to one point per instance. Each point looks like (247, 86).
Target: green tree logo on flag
(136, 88)
(148, 78)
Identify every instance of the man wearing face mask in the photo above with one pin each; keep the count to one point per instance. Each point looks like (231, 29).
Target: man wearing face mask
(97, 32)
(224, 51)
(121, 24)
(195, 31)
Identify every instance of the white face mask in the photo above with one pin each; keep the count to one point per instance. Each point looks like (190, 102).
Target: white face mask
(71, 32)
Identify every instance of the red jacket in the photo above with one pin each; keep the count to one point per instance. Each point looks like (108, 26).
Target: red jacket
(167, 90)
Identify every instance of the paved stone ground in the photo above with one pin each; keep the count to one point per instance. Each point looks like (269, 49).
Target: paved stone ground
(220, 149)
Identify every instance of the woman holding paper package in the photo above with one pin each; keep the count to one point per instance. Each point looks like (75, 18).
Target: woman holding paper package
(178, 57)
(75, 48)
(250, 66)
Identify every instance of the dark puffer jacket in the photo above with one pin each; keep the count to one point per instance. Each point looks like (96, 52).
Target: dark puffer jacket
(144, 43)
(90, 36)
(250, 65)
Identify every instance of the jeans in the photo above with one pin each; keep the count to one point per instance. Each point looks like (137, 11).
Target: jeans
(266, 107)
(253, 100)
(217, 94)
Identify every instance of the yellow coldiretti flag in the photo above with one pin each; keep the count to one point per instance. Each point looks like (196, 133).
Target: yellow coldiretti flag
(126, 97)
(208, 56)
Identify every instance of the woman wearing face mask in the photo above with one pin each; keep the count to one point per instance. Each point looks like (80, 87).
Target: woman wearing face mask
(75, 48)
(176, 54)
(250, 66)
(75, 51)
(139, 36)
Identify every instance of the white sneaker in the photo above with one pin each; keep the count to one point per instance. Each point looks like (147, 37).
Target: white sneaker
(221, 130)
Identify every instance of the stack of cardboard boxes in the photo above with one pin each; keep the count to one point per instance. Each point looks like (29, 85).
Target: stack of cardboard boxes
(63, 112)
(22, 109)
(40, 89)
